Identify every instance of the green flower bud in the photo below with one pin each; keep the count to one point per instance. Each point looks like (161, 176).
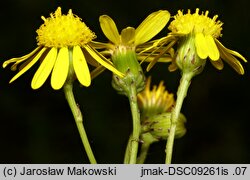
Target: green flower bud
(159, 126)
(125, 61)
(187, 58)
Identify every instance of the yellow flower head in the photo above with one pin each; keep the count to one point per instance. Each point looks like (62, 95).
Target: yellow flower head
(63, 49)
(63, 31)
(155, 101)
(130, 36)
(122, 47)
(196, 23)
(205, 32)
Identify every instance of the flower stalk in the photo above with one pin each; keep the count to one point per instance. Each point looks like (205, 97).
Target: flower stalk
(146, 139)
(125, 60)
(134, 141)
(181, 94)
(68, 90)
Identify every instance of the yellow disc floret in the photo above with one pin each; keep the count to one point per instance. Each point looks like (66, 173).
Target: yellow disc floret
(63, 30)
(196, 23)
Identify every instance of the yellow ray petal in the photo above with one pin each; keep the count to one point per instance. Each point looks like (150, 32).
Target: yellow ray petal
(99, 45)
(153, 62)
(81, 67)
(98, 54)
(167, 39)
(90, 60)
(60, 70)
(212, 49)
(21, 59)
(149, 58)
(232, 61)
(24, 63)
(230, 51)
(151, 26)
(44, 70)
(157, 45)
(218, 64)
(99, 58)
(109, 29)
(97, 71)
(201, 46)
(128, 35)
(29, 65)
(172, 67)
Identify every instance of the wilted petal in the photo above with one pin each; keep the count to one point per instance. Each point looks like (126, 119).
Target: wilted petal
(97, 71)
(172, 67)
(21, 59)
(153, 62)
(230, 51)
(29, 65)
(218, 64)
(232, 61)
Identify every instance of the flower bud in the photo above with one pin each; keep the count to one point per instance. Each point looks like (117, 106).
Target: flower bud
(125, 60)
(187, 58)
(154, 101)
(159, 126)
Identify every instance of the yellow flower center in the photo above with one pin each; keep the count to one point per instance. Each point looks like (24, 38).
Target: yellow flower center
(197, 23)
(63, 30)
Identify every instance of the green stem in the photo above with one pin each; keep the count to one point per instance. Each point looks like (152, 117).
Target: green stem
(143, 153)
(147, 139)
(68, 90)
(127, 152)
(134, 140)
(181, 94)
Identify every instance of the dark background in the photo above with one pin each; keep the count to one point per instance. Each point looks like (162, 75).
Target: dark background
(36, 126)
